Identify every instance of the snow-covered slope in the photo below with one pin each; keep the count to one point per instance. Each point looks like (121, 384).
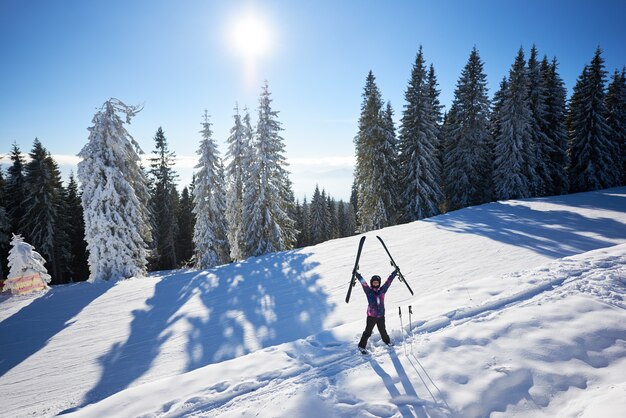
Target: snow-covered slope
(502, 323)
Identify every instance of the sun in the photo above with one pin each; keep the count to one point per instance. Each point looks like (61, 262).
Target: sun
(251, 36)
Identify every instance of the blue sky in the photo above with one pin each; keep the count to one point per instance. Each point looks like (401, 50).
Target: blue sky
(62, 59)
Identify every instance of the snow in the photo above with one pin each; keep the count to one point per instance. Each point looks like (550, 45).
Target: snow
(519, 310)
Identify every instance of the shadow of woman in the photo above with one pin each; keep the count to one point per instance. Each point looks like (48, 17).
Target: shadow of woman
(396, 397)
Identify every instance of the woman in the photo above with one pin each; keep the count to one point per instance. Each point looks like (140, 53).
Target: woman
(376, 308)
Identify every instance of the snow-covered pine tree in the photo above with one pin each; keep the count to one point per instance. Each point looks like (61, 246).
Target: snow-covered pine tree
(78, 268)
(186, 222)
(616, 107)
(238, 144)
(42, 221)
(419, 167)
(555, 107)
(433, 93)
(539, 147)
(24, 261)
(442, 145)
(512, 149)
(591, 149)
(467, 174)
(496, 110)
(341, 219)
(267, 191)
(319, 217)
(354, 201)
(15, 190)
(114, 196)
(291, 232)
(333, 222)
(299, 225)
(351, 224)
(210, 235)
(375, 159)
(347, 220)
(304, 226)
(162, 204)
(389, 176)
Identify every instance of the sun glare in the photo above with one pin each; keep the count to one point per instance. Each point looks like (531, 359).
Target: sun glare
(251, 36)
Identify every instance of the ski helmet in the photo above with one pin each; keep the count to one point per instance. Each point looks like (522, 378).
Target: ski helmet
(375, 278)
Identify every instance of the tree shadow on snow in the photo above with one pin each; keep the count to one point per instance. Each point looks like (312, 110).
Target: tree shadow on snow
(28, 330)
(607, 199)
(554, 233)
(258, 303)
(250, 305)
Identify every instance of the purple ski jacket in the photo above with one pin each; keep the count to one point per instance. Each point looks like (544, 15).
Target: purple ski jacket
(376, 297)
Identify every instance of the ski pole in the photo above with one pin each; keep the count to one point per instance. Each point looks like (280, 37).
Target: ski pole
(402, 329)
(411, 326)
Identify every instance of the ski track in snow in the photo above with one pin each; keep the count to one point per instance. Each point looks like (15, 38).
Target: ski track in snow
(569, 276)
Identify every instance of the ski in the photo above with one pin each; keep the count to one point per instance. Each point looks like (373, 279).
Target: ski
(356, 267)
(393, 263)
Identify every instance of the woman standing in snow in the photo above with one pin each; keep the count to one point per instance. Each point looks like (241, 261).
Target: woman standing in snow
(376, 308)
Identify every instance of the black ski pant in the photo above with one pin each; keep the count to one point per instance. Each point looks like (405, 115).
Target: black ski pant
(380, 323)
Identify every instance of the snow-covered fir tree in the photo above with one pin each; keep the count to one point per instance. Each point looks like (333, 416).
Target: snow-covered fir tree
(114, 196)
(467, 175)
(346, 219)
(290, 198)
(267, 189)
(341, 219)
(333, 223)
(306, 221)
(419, 166)
(433, 93)
(162, 203)
(389, 176)
(42, 221)
(557, 181)
(375, 162)
(210, 235)
(496, 109)
(301, 224)
(591, 148)
(186, 223)
(354, 201)
(539, 147)
(238, 145)
(319, 217)
(616, 108)
(15, 190)
(78, 267)
(24, 261)
(512, 150)
(442, 146)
